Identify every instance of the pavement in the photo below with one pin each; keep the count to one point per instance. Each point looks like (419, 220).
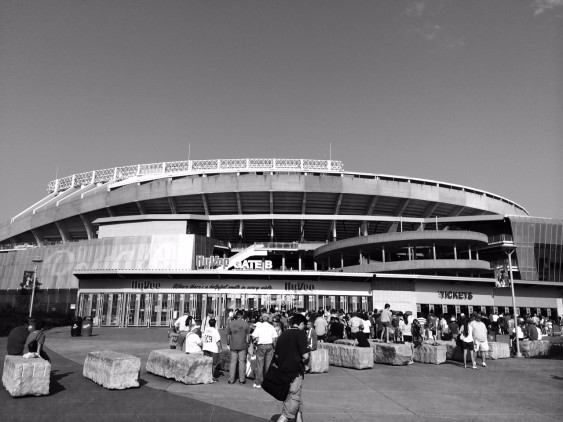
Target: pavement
(506, 390)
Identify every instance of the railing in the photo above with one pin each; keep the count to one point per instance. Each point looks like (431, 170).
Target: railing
(118, 174)
(500, 238)
(276, 245)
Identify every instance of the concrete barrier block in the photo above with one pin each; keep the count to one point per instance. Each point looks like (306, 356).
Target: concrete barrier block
(348, 356)
(112, 370)
(534, 348)
(555, 349)
(319, 361)
(392, 353)
(427, 353)
(498, 351)
(26, 377)
(185, 368)
(345, 341)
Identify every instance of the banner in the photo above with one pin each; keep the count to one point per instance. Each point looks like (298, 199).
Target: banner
(502, 277)
(27, 283)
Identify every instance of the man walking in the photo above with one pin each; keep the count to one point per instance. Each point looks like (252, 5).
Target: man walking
(238, 335)
(292, 355)
(265, 337)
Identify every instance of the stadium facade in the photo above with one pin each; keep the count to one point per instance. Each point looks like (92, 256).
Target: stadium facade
(137, 245)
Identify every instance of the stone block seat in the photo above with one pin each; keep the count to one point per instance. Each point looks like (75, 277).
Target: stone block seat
(498, 350)
(533, 348)
(319, 361)
(391, 353)
(186, 368)
(428, 353)
(26, 377)
(112, 370)
(348, 356)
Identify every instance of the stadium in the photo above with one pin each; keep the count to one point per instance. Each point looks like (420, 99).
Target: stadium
(138, 245)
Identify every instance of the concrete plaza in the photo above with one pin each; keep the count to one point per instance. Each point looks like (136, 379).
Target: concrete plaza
(506, 390)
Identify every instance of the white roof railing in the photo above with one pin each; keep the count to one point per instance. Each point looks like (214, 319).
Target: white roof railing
(122, 175)
(118, 174)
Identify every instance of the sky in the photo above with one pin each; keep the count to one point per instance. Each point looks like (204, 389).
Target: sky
(465, 92)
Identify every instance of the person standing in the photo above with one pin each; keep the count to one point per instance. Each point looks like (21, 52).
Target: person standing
(466, 338)
(17, 339)
(386, 322)
(312, 339)
(480, 337)
(291, 358)
(205, 322)
(182, 326)
(238, 335)
(212, 344)
(321, 325)
(265, 337)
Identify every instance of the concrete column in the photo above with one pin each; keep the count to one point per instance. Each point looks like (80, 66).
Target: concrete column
(383, 253)
(433, 251)
(455, 251)
(299, 262)
(361, 258)
(469, 250)
(341, 260)
(315, 266)
(477, 254)
(208, 233)
(283, 262)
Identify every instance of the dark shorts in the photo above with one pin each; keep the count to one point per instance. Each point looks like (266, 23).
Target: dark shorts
(407, 338)
(385, 324)
(215, 356)
(466, 345)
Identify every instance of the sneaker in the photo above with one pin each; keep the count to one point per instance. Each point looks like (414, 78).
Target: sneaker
(231, 382)
(241, 382)
(474, 366)
(254, 385)
(258, 386)
(410, 362)
(484, 364)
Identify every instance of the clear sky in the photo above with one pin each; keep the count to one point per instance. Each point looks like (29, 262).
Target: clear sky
(467, 92)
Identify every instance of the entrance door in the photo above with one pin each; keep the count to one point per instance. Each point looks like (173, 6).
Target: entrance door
(112, 310)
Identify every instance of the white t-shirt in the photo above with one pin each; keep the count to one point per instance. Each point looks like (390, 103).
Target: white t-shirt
(265, 333)
(210, 337)
(367, 326)
(193, 343)
(180, 323)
